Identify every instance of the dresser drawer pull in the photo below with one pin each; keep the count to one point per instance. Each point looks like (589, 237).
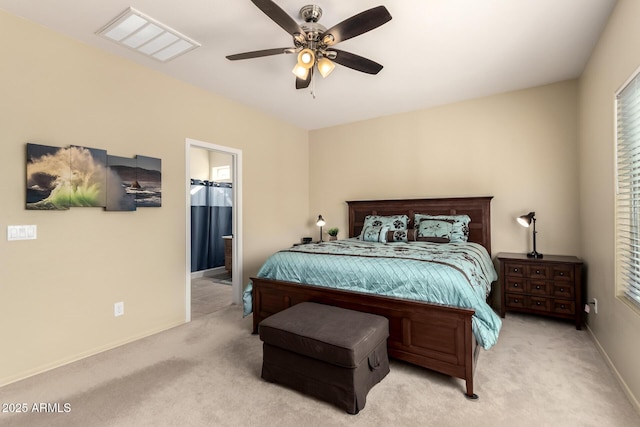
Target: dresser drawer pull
(516, 300)
(562, 273)
(515, 270)
(562, 306)
(537, 286)
(515, 285)
(537, 271)
(538, 303)
(561, 289)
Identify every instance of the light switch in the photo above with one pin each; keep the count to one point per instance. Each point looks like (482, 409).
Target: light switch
(22, 232)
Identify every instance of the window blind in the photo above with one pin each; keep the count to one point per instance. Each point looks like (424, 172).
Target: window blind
(628, 189)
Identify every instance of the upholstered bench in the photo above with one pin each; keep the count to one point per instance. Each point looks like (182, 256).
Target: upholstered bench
(331, 353)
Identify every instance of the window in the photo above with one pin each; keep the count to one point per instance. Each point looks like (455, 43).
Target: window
(220, 173)
(628, 189)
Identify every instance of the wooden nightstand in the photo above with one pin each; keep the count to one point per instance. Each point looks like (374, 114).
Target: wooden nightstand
(549, 286)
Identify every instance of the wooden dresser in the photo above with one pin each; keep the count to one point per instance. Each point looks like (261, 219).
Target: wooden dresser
(549, 286)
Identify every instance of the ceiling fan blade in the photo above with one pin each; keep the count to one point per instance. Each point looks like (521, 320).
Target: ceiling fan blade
(356, 62)
(279, 16)
(303, 83)
(358, 24)
(258, 53)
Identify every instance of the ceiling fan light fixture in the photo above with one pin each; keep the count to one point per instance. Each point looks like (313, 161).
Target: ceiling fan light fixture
(328, 39)
(300, 72)
(306, 58)
(325, 66)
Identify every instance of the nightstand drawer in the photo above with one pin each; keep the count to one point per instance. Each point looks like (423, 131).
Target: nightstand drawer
(563, 307)
(538, 271)
(538, 287)
(539, 304)
(514, 285)
(515, 270)
(514, 300)
(562, 290)
(562, 272)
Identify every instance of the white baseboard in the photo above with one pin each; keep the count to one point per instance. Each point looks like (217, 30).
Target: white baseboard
(616, 374)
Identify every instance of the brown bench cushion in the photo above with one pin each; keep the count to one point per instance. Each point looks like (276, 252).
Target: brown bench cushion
(335, 335)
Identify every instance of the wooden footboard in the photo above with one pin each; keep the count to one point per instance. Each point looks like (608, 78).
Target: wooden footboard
(433, 336)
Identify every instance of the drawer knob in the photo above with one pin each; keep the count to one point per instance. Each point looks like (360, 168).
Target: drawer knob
(538, 303)
(562, 273)
(515, 270)
(561, 289)
(515, 285)
(516, 300)
(537, 271)
(561, 305)
(537, 286)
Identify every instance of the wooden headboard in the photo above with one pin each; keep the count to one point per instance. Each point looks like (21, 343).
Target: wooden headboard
(478, 209)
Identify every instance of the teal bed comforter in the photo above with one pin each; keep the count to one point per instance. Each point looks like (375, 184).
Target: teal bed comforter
(457, 274)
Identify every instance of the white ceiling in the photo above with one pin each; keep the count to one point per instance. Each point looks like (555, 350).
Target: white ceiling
(434, 52)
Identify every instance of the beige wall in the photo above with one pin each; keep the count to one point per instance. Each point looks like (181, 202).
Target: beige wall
(199, 164)
(616, 327)
(519, 147)
(57, 292)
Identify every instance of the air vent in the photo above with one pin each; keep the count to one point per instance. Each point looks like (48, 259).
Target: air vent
(143, 34)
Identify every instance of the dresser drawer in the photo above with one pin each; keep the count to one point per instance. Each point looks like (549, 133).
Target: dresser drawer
(514, 285)
(538, 304)
(563, 307)
(514, 270)
(538, 271)
(538, 287)
(514, 300)
(563, 290)
(562, 273)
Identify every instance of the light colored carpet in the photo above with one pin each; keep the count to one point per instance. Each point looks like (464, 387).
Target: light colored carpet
(209, 294)
(207, 373)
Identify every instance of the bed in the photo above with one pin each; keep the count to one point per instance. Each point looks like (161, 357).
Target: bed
(437, 336)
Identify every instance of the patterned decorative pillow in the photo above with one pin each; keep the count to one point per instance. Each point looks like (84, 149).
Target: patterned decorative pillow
(440, 228)
(394, 222)
(401, 235)
(374, 234)
(460, 225)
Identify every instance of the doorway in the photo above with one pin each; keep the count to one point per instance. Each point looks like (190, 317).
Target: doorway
(223, 166)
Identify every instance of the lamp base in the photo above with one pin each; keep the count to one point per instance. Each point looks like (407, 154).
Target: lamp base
(534, 254)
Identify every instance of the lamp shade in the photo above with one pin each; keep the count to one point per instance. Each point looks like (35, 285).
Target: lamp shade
(325, 66)
(526, 220)
(300, 71)
(321, 222)
(306, 58)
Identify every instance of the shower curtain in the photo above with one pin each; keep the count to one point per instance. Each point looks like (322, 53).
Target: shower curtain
(211, 214)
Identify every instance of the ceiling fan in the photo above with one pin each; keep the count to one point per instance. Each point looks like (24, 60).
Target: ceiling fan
(314, 43)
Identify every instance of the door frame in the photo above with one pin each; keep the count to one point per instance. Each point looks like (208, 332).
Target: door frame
(236, 264)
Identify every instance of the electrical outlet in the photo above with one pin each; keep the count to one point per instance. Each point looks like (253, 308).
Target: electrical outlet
(118, 309)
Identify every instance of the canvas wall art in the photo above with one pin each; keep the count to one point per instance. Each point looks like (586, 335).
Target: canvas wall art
(148, 188)
(88, 180)
(48, 173)
(78, 176)
(121, 175)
